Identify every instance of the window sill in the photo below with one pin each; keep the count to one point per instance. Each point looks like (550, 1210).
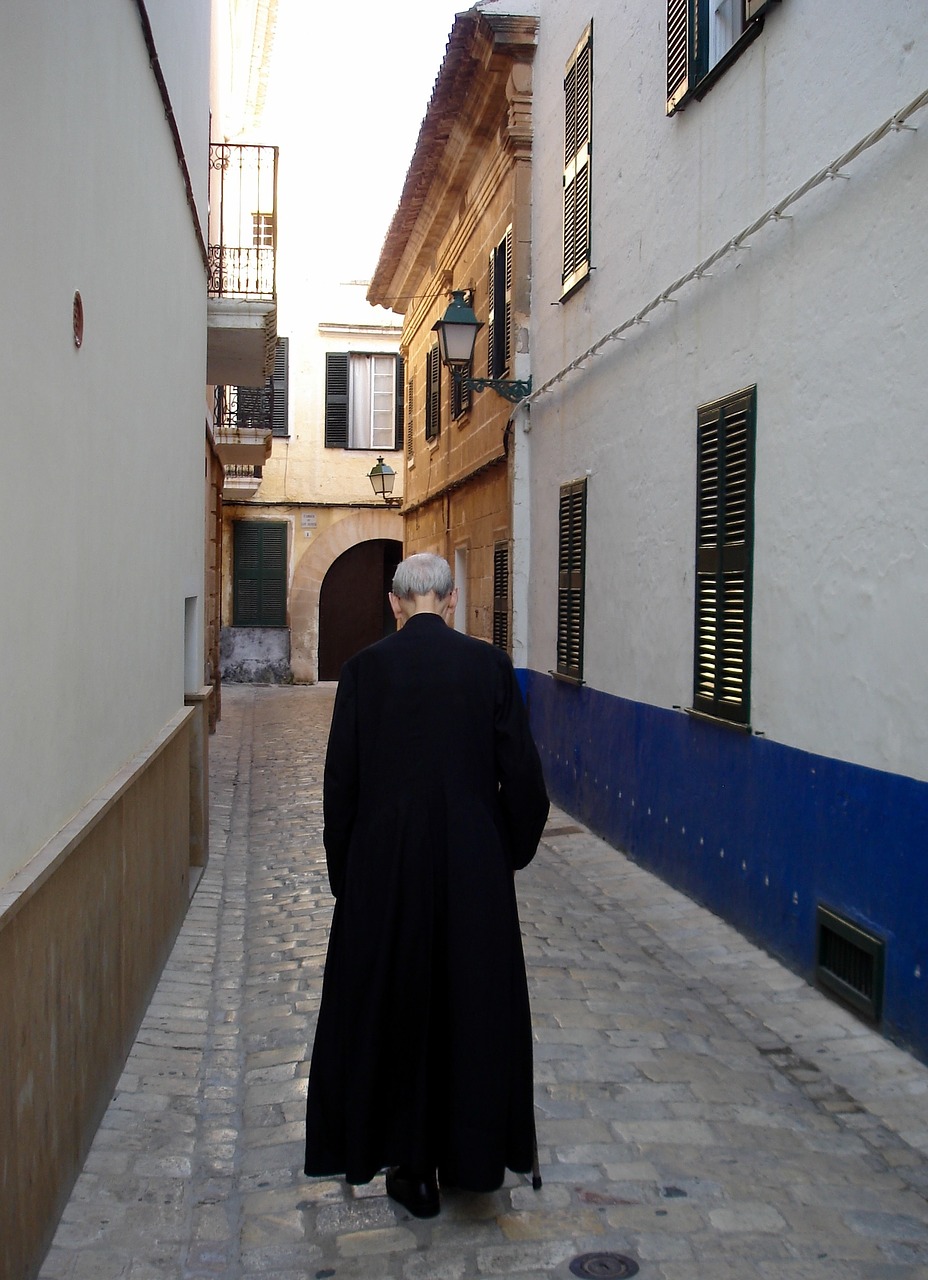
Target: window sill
(718, 721)
(575, 681)
(575, 285)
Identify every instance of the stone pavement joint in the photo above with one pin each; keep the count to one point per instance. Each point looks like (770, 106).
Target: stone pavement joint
(700, 1108)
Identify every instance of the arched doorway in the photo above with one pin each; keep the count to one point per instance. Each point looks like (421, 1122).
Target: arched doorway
(353, 606)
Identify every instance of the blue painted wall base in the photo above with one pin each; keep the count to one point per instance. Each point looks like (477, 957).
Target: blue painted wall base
(758, 832)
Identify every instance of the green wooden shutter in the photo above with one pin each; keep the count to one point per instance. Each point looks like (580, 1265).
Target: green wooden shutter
(410, 408)
(724, 555)
(280, 388)
(336, 400)
(570, 581)
(460, 392)
(681, 33)
(491, 318)
(506, 353)
(578, 136)
(432, 394)
(501, 595)
(259, 569)
(499, 290)
(398, 419)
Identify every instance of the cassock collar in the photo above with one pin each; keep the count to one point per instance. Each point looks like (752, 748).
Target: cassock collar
(429, 619)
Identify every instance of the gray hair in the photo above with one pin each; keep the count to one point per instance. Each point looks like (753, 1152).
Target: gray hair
(419, 574)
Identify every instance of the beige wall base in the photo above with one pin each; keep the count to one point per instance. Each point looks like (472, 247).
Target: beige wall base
(85, 929)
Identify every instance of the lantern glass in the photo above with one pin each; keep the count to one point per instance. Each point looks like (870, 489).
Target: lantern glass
(382, 478)
(457, 332)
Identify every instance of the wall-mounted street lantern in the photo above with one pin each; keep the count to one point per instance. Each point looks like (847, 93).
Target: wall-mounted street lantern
(457, 333)
(383, 477)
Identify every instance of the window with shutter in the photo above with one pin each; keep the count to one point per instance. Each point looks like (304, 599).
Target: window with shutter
(460, 393)
(280, 388)
(432, 394)
(570, 579)
(724, 556)
(703, 38)
(501, 607)
(578, 137)
(499, 292)
(398, 410)
(363, 400)
(410, 409)
(336, 400)
(259, 573)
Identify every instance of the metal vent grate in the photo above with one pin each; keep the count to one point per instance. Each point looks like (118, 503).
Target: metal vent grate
(850, 963)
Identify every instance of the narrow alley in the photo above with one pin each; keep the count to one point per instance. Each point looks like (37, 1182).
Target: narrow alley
(702, 1113)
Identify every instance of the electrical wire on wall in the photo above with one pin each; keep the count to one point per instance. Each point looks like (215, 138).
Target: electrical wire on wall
(895, 124)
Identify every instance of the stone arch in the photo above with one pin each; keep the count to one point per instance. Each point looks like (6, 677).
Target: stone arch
(365, 525)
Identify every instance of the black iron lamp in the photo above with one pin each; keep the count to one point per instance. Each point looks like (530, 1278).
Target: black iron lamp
(457, 333)
(382, 478)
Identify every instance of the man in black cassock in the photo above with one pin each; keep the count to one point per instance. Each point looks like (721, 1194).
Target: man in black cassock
(434, 797)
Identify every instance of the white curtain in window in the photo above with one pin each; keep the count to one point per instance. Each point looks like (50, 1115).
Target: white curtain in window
(359, 399)
(371, 400)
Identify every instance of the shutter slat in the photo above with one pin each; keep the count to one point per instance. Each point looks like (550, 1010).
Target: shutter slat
(336, 400)
(280, 388)
(501, 596)
(432, 394)
(491, 318)
(410, 405)
(679, 42)
(399, 413)
(578, 121)
(259, 569)
(571, 558)
(725, 452)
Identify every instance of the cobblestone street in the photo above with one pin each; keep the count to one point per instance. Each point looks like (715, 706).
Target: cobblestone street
(700, 1109)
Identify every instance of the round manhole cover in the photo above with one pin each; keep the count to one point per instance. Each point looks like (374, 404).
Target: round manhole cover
(605, 1266)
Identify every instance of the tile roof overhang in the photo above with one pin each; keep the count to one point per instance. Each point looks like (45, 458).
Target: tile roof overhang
(471, 88)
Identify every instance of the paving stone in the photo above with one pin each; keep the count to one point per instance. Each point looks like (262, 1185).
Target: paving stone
(699, 1107)
(376, 1242)
(549, 1224)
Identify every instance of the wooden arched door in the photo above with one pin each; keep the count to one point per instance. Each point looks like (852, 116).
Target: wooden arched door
(353, 606)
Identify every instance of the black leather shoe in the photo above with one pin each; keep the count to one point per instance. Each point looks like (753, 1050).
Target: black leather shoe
(416, 1192)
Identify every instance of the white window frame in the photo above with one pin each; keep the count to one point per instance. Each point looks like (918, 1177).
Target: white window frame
(371, 400)
(262, 230)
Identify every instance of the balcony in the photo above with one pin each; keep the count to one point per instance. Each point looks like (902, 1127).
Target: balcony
(242, 426)
(242, 307)
(240, 483)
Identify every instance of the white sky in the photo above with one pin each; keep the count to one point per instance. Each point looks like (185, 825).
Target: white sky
(349, 84)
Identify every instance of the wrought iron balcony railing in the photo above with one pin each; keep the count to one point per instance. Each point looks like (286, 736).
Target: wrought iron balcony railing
(248, 409)
(244, 474)
(243, 221)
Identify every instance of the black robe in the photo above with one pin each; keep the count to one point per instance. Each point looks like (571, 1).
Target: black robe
(433, 797)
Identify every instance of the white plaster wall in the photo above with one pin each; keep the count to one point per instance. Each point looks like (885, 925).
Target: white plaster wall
(182, 32)
(825, 313)
(102, 517)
